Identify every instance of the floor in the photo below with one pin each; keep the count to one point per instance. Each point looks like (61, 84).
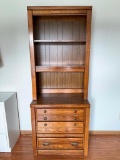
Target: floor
(101, 147)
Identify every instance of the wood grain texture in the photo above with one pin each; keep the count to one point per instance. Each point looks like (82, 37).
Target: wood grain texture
(101, 147)
(60, 100)
(86, 137)
(60, 68)
(60, 127)
(33, 120)
(87, 57)
(60, 152)
(59, 12)
(62, 135)
(59, 143)
(61, 63)
(60, 118)
(32, 55)
(45, 112)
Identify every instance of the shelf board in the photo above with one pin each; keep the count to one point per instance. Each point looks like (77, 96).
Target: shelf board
(60, 100)
(59, 41)
(78, 68)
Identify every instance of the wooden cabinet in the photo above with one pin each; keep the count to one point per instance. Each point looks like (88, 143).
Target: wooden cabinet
(59, 39)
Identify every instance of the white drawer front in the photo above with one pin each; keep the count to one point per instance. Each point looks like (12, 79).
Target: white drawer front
(3, 140)
(2, 120)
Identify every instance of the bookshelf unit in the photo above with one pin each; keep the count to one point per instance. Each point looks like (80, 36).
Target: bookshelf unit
(59, 39)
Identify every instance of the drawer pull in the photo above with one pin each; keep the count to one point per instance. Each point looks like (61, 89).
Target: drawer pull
(75, 111)
(75, 118)
(46, 144)
(75, 124)
(45, 118)
(45, 111)
(74, 144)
(45, 124)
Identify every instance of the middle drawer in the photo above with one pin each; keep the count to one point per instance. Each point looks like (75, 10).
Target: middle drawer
(60, 127)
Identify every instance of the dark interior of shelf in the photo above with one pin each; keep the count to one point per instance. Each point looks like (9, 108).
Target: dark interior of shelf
(65, 33)
(60, 28)
(64, 98)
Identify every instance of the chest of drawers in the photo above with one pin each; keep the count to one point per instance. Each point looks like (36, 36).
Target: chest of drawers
(60, 129)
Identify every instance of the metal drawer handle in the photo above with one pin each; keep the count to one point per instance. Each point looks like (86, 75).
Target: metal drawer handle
(74, 144)
(45, 118)
(75, 124)
(75, 111)
(46, 144)
(75, 118)
(45, 124)
(45, 111)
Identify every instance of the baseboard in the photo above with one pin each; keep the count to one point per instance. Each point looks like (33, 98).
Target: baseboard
(29, 132)
(104, 132)
(26, 132)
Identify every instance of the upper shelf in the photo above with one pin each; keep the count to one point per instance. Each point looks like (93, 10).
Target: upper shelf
(60, 41)
(78, 68)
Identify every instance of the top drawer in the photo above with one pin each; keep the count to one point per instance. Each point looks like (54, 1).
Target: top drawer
(60, 111)
(60, 114)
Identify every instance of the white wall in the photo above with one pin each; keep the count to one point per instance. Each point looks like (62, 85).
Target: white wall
(104, 84)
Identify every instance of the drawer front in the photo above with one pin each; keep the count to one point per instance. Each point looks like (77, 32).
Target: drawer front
(3, 140)
(61, 152)
(60, 127)
(60, 118)
(2, 121)
(60, 143)
(59, 112)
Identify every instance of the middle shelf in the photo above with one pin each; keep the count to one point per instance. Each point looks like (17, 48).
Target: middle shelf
(76, 68)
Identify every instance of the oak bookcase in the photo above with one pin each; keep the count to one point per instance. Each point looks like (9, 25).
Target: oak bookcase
(59, 39)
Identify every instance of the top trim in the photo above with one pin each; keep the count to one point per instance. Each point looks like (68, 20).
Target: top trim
(59, 7)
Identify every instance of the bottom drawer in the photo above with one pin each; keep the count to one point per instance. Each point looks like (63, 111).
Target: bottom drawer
(61, 152)
(59, 143)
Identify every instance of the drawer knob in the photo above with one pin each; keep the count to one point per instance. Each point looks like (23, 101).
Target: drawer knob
(45, 124)
(74, 144)
(75, 111)
(45, 118)
(75, 124)
(46, 144)
(75, 118)
(45, 111)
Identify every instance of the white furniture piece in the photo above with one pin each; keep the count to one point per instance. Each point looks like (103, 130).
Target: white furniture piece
(9, 121)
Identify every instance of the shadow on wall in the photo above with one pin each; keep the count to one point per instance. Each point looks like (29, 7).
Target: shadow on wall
(1, 60)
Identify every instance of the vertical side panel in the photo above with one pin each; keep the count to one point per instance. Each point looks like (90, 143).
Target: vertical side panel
(88, 37)
(32, 54)
(86, 138)
(33, 131)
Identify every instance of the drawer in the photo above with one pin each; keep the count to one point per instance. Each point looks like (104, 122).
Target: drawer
(60, 143)
(60, 127)
(60, 118)
(59, 112)
(3, 140)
